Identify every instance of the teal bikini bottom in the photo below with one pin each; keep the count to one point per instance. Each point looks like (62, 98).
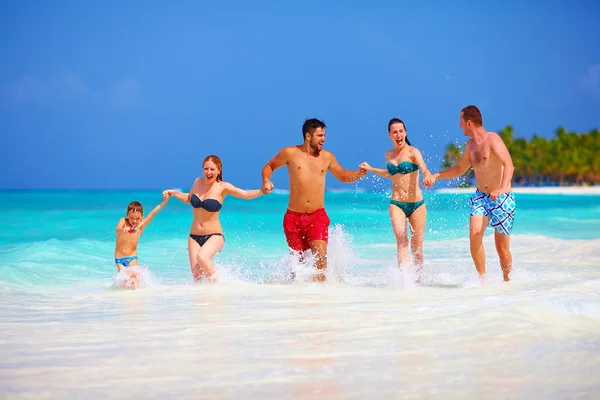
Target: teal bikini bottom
(407, 208)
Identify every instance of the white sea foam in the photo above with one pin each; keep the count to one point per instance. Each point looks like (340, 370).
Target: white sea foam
(134, 277)
(369, 332)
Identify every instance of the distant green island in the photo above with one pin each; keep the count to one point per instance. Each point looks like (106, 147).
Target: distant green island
(570, 158)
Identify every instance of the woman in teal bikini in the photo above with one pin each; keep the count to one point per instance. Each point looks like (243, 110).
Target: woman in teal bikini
(403, 164)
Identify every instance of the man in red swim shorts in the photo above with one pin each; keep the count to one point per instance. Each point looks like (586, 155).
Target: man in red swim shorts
(306, 223)
(302, 229)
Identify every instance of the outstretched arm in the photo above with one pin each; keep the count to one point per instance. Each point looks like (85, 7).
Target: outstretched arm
(421, 163)
(377, 171)
(281, 159)
(121, 226)
(452, 172)
(184, 197)
(500, 149)
(344, 175)
(153, 213)
(241, 193)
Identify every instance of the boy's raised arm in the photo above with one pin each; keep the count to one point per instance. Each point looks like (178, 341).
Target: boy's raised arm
(152, 213)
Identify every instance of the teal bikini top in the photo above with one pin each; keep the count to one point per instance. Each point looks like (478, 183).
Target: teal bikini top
(405, 167)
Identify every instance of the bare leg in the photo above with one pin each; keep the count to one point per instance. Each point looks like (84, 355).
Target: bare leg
(193, 248)
(417, 232)
(503, 249)
(204, 256)
(294, 242)
(319, 249)
(398, 219)
(198, 255)
(134, 278)
(300, 256)
(478, 224)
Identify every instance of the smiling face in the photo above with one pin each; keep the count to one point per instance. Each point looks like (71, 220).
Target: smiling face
(316, 139)
(134, 218)
(211, 171)
(397, 133)
(134, 213)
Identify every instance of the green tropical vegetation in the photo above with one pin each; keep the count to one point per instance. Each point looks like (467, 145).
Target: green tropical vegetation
(568, 159)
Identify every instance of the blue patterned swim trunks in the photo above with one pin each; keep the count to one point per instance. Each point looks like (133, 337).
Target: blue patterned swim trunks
(501, 212)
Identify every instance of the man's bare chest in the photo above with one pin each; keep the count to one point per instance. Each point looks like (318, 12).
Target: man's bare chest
(308, 167)
(479, 155)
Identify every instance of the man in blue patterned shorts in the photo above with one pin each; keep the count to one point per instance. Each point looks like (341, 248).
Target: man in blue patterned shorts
(493, 203)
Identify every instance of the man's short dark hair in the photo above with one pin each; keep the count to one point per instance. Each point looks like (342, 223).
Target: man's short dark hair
(472, 113)
(310, 125)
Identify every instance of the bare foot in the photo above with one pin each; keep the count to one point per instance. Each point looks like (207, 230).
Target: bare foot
(419, 273)
(204, 274)
(319, 276)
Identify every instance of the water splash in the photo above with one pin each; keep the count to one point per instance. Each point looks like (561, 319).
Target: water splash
(134, 277)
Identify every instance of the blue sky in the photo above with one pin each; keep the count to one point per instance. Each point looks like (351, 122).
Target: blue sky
(135, 94)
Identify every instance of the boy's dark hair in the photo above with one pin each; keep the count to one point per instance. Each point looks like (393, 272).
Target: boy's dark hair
(135, 206)
(310, 125)
(399, 121)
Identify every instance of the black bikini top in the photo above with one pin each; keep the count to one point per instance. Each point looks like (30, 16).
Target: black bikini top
(210, 205)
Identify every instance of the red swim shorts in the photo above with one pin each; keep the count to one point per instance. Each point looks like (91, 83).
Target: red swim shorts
(301, 229)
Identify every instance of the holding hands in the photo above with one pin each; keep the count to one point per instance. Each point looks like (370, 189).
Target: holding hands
(267, 186)
(364, 166)
(429, 179)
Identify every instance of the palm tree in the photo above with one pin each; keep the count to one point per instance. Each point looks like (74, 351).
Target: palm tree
(568, 158)
(451, 157)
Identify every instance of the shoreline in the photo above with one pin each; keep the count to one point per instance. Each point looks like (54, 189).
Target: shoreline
(567, 190)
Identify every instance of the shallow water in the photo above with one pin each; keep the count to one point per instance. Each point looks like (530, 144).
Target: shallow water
(369, 332)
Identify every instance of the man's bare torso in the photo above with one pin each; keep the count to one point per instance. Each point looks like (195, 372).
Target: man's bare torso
(307, 180)
(486, 164)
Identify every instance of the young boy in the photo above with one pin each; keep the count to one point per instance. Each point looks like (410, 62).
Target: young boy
(129, 230)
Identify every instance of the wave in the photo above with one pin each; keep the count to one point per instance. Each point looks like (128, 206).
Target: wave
(327, 190)
(346, 190)
(361, 261)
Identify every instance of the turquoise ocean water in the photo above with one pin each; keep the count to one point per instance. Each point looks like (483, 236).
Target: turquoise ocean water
(369, 332)
(66, 238)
